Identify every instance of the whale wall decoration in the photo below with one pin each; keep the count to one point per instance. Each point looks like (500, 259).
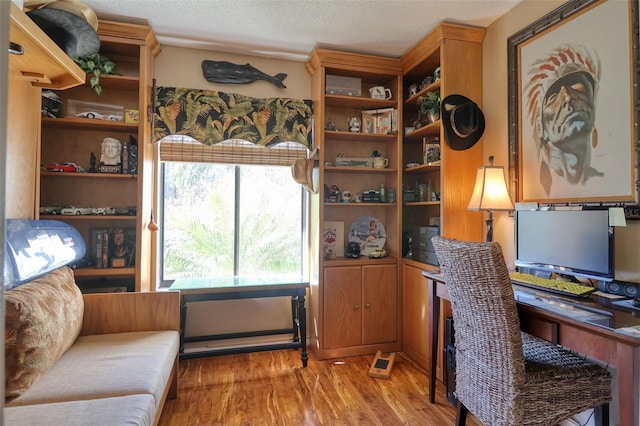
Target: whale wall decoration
(228, 73)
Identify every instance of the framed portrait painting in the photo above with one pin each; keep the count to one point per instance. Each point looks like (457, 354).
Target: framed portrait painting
(573, 100)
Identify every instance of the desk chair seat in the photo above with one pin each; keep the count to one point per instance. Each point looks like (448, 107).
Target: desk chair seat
(503, 375)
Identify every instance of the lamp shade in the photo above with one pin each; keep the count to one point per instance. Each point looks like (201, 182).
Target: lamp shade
(490, 191)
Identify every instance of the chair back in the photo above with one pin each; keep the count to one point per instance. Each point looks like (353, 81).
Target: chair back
(490, 367)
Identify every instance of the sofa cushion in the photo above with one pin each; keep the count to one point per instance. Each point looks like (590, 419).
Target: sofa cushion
(108, 365)
(43, 319)
(122, 410)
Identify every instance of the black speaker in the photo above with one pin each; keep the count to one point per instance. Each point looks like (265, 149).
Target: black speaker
(620, 288)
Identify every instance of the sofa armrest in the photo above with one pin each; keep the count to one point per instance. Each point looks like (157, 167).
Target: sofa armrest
(124, 312)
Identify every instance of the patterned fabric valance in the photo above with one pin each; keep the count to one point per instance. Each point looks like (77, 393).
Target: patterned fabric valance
(211, 117)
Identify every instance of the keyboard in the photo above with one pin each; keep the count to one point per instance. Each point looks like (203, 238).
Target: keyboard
(566, 288)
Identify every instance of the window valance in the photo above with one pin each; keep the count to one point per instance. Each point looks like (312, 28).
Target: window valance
(210, 117)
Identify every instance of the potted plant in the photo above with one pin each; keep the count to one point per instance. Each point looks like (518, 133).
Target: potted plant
(97, 65)
(429, 106)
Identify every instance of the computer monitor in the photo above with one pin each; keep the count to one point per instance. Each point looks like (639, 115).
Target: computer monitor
(577, 243)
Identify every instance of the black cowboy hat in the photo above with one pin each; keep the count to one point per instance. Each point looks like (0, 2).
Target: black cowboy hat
(463, 121)
(66, 23)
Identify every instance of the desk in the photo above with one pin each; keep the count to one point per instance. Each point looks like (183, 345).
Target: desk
(200, 290)
(593, 337)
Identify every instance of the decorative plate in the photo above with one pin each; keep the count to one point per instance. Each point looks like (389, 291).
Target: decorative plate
(369, 232)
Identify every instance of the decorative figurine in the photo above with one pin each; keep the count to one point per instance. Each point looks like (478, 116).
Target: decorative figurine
(92, 163)
(354, 124)
(119, 248)
(110, 159)
(110, 151)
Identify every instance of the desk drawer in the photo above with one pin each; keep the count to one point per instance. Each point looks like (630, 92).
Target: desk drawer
(540, 327)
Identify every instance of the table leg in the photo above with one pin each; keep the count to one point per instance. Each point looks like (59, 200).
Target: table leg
(183, 321)
(295, 317)
(434, 326)
(302, 320)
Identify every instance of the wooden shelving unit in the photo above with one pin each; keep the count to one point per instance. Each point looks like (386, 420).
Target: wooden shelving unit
(73, 139)
(355, 302)
(457, 50)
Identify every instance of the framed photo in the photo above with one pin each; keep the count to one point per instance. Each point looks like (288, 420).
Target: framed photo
(431, 151)
(385, 121)
(369, 121)
(573, 134)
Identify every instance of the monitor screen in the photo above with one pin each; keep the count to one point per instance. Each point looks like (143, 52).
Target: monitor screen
(568, 242)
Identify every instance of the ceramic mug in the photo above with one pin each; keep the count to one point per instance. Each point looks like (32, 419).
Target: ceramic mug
(380, 92)
(380, 162)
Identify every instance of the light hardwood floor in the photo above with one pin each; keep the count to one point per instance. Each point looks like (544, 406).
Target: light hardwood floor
(272, 388)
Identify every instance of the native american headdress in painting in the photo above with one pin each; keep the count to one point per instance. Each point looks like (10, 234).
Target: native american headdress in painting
(562, 66)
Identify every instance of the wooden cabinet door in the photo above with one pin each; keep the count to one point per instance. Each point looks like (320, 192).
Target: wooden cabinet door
(380, 304)
(342, 307)
(415, 320)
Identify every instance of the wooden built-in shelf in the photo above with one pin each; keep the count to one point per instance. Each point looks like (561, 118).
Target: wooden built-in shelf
(430, 88)
(90, 175)
(88, 272)
(422, 203)
(359, 204)
(89, 124)
(422, 168)
(359, 136)
(431, 129)
(345, 169)
(344, 101)
(420, 265)
(362, 260)
(86, 217)
(123, 82)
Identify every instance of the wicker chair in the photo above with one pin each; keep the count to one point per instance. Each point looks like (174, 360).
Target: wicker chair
(503, 375)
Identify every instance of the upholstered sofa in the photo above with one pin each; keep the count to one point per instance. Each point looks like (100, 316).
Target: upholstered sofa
(88, 359)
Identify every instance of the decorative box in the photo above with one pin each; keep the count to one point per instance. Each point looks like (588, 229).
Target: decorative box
(131, 116)
(371, 196)
(340, 85)
(94, 110)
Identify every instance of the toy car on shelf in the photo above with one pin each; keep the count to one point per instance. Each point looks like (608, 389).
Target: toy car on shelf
(103, 210)
(76, 211)
(100, 116)
(126, 211)
(63, 167)
(53, 210)
(378, 254)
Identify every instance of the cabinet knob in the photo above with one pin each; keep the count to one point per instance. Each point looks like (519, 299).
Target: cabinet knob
(368, 305)
(356, 307)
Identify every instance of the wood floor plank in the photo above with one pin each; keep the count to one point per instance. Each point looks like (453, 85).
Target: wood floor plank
(272, 388)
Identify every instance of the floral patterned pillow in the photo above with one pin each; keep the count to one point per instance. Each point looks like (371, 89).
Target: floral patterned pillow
(43, 319)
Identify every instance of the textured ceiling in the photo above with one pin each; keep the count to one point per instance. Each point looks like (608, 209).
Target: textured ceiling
(290, 29)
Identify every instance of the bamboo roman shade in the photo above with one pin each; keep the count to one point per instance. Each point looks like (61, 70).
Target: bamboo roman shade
(233, 151)
(210, 126)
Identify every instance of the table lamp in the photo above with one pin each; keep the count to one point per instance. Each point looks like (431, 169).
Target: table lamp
(490, 193)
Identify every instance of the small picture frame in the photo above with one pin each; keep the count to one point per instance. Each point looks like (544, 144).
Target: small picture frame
(431, 150)
(384, 121)
(369, 122)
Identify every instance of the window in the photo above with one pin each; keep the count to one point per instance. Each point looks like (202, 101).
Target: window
(225, 220)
